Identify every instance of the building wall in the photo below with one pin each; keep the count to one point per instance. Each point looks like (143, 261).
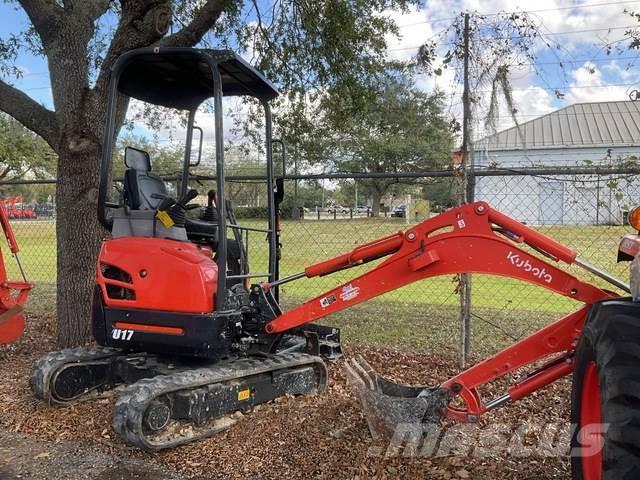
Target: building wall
(559, 199)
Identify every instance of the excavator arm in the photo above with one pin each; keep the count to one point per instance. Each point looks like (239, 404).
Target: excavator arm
(13, 294)
(469, 239)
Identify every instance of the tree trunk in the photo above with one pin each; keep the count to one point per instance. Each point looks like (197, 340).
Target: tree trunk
(79, 236)
(375, 202)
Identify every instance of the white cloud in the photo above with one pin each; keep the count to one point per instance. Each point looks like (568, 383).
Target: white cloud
(588, 85)
(625, 72)
(590, 29)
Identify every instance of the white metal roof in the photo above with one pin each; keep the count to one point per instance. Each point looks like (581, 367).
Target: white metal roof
(602, 124)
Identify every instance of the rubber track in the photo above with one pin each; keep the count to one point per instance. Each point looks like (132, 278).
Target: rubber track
(44, 369)
(134, 400)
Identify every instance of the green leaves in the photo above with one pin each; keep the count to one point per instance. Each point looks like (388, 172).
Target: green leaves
(23, 153)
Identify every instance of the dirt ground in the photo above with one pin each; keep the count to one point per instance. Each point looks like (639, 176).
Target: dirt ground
(25, 457)
(322, 436)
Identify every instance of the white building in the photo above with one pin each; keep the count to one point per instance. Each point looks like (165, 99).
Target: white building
(584, 134)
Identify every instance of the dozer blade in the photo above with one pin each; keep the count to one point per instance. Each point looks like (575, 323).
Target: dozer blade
(387, 404)
(11, 324)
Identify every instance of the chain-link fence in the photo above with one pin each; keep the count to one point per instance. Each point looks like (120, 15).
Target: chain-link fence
(584, 208)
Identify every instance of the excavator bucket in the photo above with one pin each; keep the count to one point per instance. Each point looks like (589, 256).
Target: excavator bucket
(387, 404)
(13, 295)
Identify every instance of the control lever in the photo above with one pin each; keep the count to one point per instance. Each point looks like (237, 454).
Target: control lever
(165, 203)
(187, 197)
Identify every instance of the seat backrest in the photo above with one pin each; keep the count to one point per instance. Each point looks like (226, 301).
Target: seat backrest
(139, 183)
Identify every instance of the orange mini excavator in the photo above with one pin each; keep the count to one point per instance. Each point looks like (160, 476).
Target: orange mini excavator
(182, 322)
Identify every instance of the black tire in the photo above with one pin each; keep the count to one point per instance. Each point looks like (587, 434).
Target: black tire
(610, 343)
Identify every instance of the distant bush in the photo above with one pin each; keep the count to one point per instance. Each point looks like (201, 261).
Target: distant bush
(259, 212)
(250, 212)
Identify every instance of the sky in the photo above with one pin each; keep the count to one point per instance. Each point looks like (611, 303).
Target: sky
(577, 32)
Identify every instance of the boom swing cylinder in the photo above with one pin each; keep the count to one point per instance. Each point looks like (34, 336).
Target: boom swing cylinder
(472, 238)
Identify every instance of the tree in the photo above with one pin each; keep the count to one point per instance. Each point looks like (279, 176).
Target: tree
(302, 46)
(23, 153)
(399, 129)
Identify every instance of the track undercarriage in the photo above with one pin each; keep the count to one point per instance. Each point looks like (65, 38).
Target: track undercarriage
(166, 401)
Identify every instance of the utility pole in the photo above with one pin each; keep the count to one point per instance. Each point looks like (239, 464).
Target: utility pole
(466, 196)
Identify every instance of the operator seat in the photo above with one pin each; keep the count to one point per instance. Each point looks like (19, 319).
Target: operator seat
(140, 184)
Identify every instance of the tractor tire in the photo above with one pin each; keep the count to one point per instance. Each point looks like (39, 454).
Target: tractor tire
(606, 391)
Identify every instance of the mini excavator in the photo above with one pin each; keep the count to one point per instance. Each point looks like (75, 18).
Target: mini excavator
(183, 325)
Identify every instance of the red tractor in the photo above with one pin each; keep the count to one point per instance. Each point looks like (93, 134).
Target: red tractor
(181, 320)
(17, 209)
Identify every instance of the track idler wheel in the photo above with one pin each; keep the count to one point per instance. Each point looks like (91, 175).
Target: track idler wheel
(158, 415)
(387, 404)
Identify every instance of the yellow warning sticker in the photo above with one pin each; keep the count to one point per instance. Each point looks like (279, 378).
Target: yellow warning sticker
(244, 394)
(165, 218)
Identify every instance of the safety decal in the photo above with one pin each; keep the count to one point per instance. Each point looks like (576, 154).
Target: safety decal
(349, 292)
(328, 300)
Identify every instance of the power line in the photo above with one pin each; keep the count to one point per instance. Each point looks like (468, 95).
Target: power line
(540, 35)
(560, 88)
(573, 7)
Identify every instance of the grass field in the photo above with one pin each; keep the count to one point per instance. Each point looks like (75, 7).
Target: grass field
(421, 315)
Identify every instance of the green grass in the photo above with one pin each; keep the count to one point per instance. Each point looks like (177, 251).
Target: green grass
(421, 315)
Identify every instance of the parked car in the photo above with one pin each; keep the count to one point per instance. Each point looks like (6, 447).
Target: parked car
(362, 209)
(438, 208)
(399, 211)
(46, 209)
(337, 209)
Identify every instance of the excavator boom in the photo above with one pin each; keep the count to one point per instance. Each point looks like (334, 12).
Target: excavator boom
(472, 238)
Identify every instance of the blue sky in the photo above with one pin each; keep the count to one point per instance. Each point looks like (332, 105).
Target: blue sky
(35, 80)
(577, 32)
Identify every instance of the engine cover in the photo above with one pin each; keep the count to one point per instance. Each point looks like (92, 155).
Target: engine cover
(158, 295)
(156, 274)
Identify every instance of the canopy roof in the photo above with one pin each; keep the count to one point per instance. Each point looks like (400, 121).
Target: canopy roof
(182, 77)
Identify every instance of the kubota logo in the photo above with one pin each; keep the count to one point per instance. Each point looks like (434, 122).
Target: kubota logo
(537, 272)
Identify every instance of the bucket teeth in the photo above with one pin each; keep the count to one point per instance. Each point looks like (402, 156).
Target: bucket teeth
(387, 404)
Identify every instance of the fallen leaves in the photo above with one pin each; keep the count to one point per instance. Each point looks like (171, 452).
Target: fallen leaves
(320, 436)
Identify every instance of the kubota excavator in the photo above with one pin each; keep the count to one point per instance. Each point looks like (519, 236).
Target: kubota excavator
(181, 321)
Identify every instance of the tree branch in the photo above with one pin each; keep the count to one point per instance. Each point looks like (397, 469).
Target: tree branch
(30, 113)
(189, 35)
(141, 23)
(43, 15)
(5, 172)
(93, 9)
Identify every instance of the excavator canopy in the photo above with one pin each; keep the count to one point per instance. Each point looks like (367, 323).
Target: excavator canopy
(182, 78)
